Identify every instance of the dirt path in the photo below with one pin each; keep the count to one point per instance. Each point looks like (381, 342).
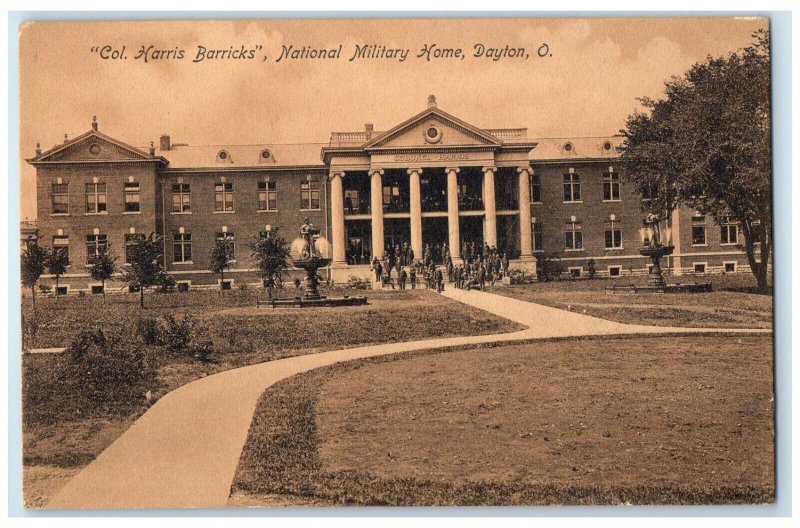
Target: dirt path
(183, 452)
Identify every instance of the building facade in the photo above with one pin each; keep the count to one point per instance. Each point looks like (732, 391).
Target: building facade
(431, 181)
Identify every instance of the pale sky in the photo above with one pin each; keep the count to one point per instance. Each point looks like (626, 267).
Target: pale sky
(587, 87)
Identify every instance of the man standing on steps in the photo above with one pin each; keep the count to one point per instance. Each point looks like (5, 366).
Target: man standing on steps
(378, 269)
(401, 278)
(412, 275)
(439, 280)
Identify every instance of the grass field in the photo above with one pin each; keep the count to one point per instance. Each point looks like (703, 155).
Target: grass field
(56, 445)
(660, 420)
(728, 306)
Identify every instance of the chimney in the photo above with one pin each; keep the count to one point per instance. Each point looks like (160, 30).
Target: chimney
(369, 128)
(164, 143)
(94, 123)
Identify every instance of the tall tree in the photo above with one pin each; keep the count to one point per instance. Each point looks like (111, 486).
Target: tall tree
(33, 265)
(707, 145)
(221, 259)
(103, 266)
(57, 263)
(270, 254)
(145, 265)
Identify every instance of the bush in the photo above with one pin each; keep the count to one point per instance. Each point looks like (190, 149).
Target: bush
(521, 276)
(45, 288)
(178, 334)
(592, 267)
(357, 283)
(203, 351)
(165, 283)
(549, 267)
(150, 330)
(98, 375)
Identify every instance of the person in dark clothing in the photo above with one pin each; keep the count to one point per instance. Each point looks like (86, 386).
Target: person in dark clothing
(402, 278)
(412, 275)
(482, 277)
(377, 268)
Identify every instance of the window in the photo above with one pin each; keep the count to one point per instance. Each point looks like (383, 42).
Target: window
(699, 267)
(536, 188)
(130, 241)
(572, 187)
(131, 197)
(95, 198)
(267, 196)
(698, 230)
(614, 271)
(730, 267)
(575, 273)
(61, 243)
(60, 198)
(352, 202)
(729, 231)
(95, 244)
(613, 235)
(229, 239)
(309, 194)
(223, 197)
(182, 247)
(183, 286)
(181, 198)
(538, 240)
(611, 187)
(97, 289)
(227, 284)
(573, 236)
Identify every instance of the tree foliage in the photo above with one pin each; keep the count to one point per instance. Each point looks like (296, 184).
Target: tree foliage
(707, 145)
(32, 267)
(102, 266)
(221, 258)
(270, 254)
(57, 263)
(145, 268)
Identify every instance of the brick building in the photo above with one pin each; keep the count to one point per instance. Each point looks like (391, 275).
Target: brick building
(431, 180)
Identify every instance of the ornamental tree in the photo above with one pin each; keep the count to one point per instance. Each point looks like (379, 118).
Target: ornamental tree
(57, 263)
(707, 145)
(221, 259)
(32, 267)
(103, 265)
(145, 265)
(270, 254)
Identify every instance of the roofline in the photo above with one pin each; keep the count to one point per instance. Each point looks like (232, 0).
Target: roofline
(36, 162)
(83, 136)
(283, 168)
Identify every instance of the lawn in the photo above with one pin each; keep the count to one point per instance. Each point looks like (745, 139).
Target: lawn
(659, 420)
(730, 305)
(56, 444)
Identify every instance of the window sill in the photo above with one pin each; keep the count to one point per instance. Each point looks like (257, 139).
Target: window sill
(311, 210)
(699, 245)
(729, 244)
(185, 263)
(131, 212)
(613, 201)
(104, 213)
(60, 214)
(574, 250)
(224, 212)
(181, 213)
(613, 249)
(267, 211)
(573, 202)
(537, 203)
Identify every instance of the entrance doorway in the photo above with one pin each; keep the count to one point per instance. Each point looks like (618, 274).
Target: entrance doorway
(471, 230)
(359, 241)
(396, 233)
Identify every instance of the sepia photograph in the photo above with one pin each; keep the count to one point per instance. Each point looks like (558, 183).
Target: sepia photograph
(344, 262)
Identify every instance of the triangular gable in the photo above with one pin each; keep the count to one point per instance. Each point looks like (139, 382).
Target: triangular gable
(413, 129)
(91, 146)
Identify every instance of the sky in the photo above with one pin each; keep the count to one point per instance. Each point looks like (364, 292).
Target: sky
(586, 84)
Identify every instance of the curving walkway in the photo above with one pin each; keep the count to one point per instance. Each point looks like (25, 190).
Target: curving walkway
(183, 452)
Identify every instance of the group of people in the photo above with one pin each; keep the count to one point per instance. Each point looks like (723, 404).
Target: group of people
(481, 265)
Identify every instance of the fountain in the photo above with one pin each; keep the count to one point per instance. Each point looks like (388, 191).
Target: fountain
(655, 250)
(310, 252)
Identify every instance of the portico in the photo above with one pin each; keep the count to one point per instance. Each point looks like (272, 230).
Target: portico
(432, 181)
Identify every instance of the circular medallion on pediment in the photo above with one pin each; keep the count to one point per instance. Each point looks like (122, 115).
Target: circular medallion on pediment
(95, 149)
(433, 134)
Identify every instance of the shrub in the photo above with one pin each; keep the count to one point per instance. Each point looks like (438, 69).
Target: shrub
(203, 351)
(45, 288)
(165, 282)
(357, 283)
(592, 268)
(549, 267)
(150, 330)
(521, 276)
(98, 375)
(178, 333)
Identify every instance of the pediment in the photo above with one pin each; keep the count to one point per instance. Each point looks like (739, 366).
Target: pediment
(433, 128)
(92, 146)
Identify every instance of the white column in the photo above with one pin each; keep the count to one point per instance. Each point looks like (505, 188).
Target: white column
(337, 217)
(525, 245)
(452, 214)
(489, 207)
(376, 206)
(416, 212)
